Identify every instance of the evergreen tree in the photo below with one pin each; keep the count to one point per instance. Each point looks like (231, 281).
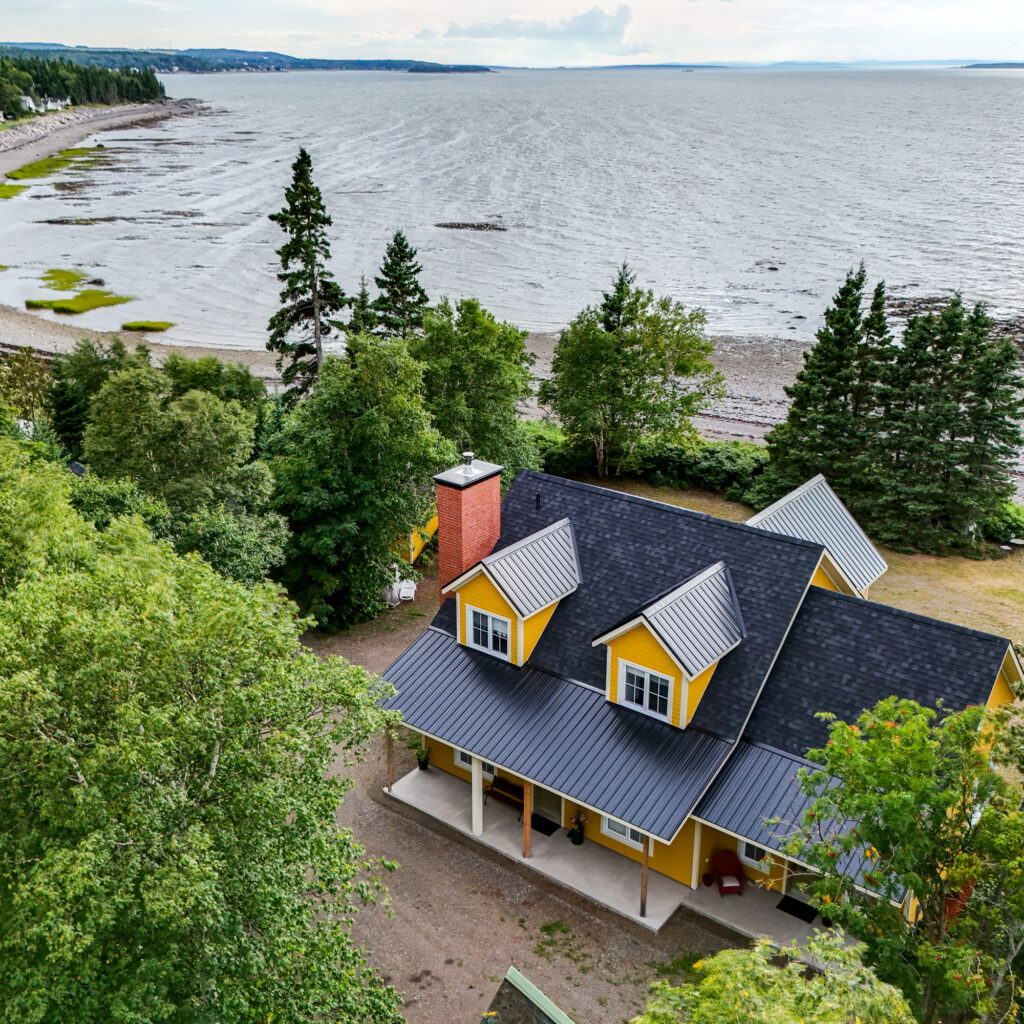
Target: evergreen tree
(402, 302)
(310, 294)
(364, 318)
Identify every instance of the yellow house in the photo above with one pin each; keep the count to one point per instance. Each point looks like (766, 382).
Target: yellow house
(647, 677)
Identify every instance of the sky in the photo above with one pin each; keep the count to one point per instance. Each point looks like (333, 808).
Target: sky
(540, 33)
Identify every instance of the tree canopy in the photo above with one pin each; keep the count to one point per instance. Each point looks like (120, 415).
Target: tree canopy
(476, 374)
(748, 986)
(311, 297)
(353, 465)
(631, 369)
(168, 845)
(921, 813)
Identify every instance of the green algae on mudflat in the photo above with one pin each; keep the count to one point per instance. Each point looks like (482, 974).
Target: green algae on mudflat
(147, 325)
(52, 164)
(91, 298)
(10, 191)
(62, 280)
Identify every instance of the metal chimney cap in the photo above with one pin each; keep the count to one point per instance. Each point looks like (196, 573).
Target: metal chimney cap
(468, 473)
(467, 458)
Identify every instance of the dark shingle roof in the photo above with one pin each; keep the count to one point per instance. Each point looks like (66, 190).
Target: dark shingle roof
(698, 622)
(562, 735)
(845, 654)
(538, 569)
(814, 512)
(631, 550)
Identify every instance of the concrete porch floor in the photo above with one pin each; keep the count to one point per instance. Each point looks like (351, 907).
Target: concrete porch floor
(593, 870)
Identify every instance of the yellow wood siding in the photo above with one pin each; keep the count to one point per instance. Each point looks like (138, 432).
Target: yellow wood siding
(674, 860)
(532, 629)
(638, 647)
(481, 593)
(823, 580)
(711, 841)
(1002, 691)
(696, 689)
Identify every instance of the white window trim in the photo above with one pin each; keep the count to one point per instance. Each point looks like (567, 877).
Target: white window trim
(486, 767)
(757, 862)
(467, 625)
(648, 672)
(626, 840)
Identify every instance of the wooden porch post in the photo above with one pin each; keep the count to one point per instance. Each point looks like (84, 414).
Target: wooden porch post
(389, 757)
(695, 871)
(527, 815)
(477, 786)
(643, 877)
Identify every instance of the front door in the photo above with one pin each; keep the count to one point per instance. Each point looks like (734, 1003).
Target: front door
(547, 804)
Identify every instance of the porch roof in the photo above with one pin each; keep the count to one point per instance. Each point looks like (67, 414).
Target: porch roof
(560, 734)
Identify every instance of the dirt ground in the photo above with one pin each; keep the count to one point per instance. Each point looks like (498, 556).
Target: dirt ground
(460, 914)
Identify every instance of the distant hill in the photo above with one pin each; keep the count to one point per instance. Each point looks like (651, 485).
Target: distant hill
(210, 60)
(1005, 64)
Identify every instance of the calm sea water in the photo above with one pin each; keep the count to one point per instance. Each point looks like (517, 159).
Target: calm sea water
(747, 192)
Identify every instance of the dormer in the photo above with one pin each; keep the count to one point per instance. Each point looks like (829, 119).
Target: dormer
(505, 600)
(661, 658)
(814, 512)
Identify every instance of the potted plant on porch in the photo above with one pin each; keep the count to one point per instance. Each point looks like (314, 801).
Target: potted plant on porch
(576, 823)
(423, 757)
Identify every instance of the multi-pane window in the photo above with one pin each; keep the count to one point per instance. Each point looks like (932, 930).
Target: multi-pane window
(464, 760)
(647, 690)
(488, 632)
(752, 854)
(624, 833)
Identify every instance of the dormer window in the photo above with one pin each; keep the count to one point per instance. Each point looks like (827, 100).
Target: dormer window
(488, 632)
(647, 691)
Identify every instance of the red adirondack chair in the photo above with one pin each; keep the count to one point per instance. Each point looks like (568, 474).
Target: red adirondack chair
(728, 872)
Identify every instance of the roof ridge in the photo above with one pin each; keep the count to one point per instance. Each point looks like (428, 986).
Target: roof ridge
(694, 580)
(495, 556)
(955, 627)
(807, 485)
(679, 509)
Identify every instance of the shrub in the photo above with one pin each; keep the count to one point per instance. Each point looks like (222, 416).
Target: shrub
(1006, 523)
(726, 467)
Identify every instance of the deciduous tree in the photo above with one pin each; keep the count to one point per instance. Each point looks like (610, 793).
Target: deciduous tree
(310, 294)
(168, 844)
(631, 369)
(353, 466)
(476, 374)
(25, 382)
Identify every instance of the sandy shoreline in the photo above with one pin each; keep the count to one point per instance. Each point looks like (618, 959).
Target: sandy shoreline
(42, 136)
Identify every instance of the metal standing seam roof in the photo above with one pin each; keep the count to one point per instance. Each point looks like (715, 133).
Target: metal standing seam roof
(699, 621)
(564, 736)
(814, 512)
(537, 570)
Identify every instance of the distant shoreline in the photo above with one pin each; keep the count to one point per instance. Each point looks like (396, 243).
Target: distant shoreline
(24, 142)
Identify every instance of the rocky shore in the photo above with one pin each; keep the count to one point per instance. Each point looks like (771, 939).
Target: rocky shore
(38, 137)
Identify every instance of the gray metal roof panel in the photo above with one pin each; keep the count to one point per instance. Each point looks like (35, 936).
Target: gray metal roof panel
(538, 569)
(562, 735)
(700, 622)
(814, 512)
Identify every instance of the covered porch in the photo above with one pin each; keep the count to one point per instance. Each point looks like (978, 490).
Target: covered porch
(592, 870)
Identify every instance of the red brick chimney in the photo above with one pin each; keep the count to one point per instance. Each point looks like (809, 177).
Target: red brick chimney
(468, 516)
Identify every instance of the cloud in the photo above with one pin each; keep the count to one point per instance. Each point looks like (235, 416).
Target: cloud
(595, 29)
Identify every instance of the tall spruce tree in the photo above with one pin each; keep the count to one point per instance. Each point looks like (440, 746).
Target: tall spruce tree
(833, 399)
(363, 319)
(402, 301)
(310, 294)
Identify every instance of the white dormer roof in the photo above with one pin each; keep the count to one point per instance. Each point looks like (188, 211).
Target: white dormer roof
(814, 512)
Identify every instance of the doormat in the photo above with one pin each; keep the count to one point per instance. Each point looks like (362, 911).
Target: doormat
(797, 908)
(543, 825)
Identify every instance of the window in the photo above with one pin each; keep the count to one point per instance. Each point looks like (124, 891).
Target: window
(464, 760)
(488, 632)
(752, 855)
(624, 833)
(646, 691)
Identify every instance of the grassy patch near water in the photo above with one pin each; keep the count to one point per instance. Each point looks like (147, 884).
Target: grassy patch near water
(147, 325)
(91, 298)
(52, 164)
(9, 191)
(62, 280)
